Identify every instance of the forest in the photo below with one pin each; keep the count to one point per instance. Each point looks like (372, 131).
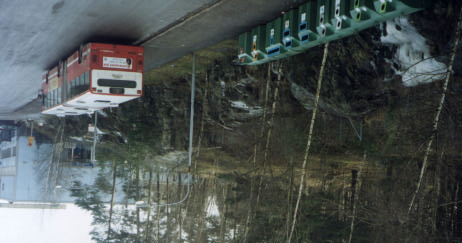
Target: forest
(331, 145)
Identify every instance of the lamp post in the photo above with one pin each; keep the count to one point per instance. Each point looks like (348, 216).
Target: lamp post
(142, 204)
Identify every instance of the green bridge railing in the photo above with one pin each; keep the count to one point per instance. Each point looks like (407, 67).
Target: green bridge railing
(317, 22)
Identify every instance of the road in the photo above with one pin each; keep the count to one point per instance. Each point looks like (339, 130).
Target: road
(34, 35)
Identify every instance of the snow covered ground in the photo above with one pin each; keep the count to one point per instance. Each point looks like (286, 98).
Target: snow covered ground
(417, 66)
(23, 225)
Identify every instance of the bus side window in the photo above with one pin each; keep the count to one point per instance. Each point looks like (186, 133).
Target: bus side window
(83, 88)
(87, 80)
(69, 90)
(58, 91)
(80, 84)
(73, 88)
(76, 86)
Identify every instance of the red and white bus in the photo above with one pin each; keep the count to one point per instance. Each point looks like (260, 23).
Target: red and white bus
(95, 77)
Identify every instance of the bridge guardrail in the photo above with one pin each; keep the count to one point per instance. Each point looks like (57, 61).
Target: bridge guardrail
(317, 22)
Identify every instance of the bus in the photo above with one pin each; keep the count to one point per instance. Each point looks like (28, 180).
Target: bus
(94, 77)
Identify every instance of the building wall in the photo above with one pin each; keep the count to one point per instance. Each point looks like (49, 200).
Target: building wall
(8, 165)
(22, 181)
(27, 186)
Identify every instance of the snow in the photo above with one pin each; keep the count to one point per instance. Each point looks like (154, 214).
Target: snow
(239, 105)
(253, 110)
(45, 225)
(413, 54)
(212, 207)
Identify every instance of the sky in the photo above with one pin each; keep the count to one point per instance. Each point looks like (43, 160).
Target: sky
(68, 225)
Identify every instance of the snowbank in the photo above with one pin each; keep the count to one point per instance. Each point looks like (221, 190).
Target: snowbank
(252, 110)
(413, 54)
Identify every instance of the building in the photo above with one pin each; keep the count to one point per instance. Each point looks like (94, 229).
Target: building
(30, 173)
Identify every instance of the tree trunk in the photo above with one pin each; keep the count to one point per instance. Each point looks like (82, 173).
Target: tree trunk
(168, 214)
(149, 204)
(273, 111)
(204, 114)
(138, 228)
(355, 202)
(158, 208)
(223, 216)
(310, 134)
(290, 197)
(455, 225)
(112, 198)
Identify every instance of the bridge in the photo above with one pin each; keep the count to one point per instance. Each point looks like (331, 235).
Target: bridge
(317, 22)
(36, 34)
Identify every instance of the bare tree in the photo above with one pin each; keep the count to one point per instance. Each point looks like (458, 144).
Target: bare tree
(112, 198)
(310, 134)
(356, 197)
(438, 112)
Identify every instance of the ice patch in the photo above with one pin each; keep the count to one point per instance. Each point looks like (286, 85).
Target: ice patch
(413, 54)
